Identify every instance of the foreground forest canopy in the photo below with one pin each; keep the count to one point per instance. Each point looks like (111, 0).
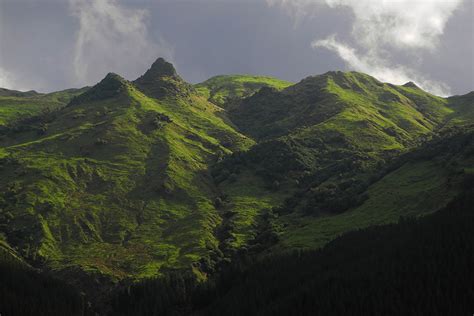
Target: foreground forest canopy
(156, 196)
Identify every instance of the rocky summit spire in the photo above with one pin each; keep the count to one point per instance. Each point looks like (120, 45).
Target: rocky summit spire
(161, 68)
(111, 86)
(161, 80)
(410, 84)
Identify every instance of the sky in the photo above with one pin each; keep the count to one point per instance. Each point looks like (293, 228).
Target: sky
(49, 45)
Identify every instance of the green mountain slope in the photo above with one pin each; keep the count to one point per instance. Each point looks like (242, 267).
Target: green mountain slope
(390, 270)
(126, 180)
(418, 183)
(15, 105)
(320, 144)
(227, 90)
(463, 107)
(343, 101)
(394, 269)
(118, 183)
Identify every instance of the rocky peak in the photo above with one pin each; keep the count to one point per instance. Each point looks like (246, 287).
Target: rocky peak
(162, 80)
(162, 68)
(111, 86)
(410, 84)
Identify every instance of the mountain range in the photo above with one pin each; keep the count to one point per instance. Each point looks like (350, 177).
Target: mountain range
(126, 181)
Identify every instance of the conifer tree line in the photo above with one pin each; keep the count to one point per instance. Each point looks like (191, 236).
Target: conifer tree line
(414, 267)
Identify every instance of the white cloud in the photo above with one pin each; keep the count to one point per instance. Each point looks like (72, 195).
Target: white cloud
(5, 81)
(381, 68)
(383, 28)
(112, 37)
(8, 81)
(405, 24)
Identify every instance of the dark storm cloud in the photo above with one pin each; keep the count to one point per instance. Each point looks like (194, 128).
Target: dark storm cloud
(50, 45)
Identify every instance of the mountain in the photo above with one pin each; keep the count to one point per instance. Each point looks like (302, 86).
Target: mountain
(227, 90)
(321, 144)
(391, 270)
(161, 80)
(128, 181)
(419, 182)
(14, 93)
(394, 115)
(117, 185)
(397, 269)
(16, 105)
(462, 109)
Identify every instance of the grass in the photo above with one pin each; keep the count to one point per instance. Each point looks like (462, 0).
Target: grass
(13, 108)
(370, 120)
(139, 201)
(340, 100)
(463, 110)
(248, 198)
(413, 190)
(222, 89)
(119, 183)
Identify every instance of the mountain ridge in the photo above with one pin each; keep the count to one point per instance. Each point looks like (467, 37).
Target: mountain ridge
(162, 80)
(129, 180)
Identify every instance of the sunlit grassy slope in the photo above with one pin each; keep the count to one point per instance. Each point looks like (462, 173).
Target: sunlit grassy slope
(131, 179)
(413, 190)
(322, 141)
(118, 183)
(343, 102)
(21, 105)
(225, 90)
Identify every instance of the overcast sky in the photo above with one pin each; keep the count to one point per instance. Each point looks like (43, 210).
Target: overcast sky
(49, 45)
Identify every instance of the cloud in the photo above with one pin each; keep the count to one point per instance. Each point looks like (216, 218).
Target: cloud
(5, 81)
(383, 29)
(298, 9)
(405, 24)
(380, 68)
(112, 37)
(8, 81)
